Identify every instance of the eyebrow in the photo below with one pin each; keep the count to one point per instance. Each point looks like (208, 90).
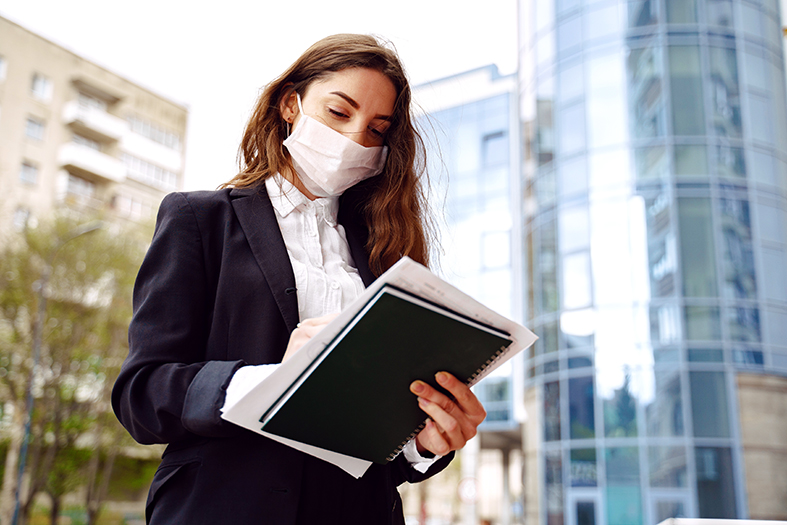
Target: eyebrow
(355, 105)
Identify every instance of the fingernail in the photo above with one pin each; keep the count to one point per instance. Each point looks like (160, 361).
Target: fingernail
(424, 402)
(416, 386)
(441, 377)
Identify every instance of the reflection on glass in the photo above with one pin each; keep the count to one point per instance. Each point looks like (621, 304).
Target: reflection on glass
(547, 268)
(552, 411)
(667, 466)
(726, 100)
(739, 275)
(691, 160)
(561, 6)
(744, 324)
(709, 404)
(576, 292)
(554, 487)
(569, 36)
(719, 12)
(606, 101)
(604, 22)
(643, 13)
(688, 116)
(651, 163)
(544, 14)
(579, 362)
(706, 355)
(573, 228)
(545, 133)
(570, 82)
(715, 483)
(620, 412)
(572, 177)
(665, 413)
(578, 328)
(698, 258)
(549, 336)
(730, 162)
(681, 11)
(571, 129)
(584, 472)
(586, 513)
(580, 408)
(702, 323)
(748, 358)
(624, 501)
(645, 71)
(662, 255)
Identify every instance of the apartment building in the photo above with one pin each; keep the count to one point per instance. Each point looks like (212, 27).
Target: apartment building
(74, 134)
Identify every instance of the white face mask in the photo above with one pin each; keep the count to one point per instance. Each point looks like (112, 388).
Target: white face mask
(326, 161)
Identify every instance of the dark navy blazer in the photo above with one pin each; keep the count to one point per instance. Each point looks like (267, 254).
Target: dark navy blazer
(216, 291)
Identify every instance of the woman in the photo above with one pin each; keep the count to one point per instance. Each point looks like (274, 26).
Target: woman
(238, 279)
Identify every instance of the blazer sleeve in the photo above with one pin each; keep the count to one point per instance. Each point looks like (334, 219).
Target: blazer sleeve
(166, 391)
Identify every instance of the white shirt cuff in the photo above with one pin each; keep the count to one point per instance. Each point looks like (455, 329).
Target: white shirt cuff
(417, 461)
(243, 380)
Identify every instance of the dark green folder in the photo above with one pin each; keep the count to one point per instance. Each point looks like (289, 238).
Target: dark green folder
(357, 401)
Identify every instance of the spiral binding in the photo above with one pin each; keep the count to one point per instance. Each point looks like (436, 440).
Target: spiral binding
(470, 382)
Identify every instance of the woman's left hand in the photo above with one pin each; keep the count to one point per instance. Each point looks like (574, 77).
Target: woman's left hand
(452, 422)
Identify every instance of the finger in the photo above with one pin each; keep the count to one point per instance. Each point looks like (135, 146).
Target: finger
(463, 396)
(475, 411)
(432, 440)
(456, 431)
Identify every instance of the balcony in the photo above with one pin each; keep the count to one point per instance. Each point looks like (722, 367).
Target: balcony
(93, 123)
(91, 164)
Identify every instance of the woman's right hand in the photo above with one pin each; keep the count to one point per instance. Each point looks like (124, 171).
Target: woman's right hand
(305, 330)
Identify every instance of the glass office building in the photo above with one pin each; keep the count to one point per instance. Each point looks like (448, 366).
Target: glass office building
(655, 240)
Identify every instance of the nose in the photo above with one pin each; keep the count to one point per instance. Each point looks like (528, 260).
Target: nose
(359, 137)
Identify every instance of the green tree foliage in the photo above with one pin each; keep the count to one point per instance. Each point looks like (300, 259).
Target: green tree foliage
(87, 283)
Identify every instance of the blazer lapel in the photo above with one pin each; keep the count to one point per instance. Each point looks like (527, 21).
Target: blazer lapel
(258, 220)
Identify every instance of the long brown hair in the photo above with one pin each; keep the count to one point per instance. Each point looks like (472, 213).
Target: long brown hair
(394, 207)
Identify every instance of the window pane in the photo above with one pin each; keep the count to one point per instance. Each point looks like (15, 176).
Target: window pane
(624, 501)
(586, 513)
(606, 99)
(698, 257)
(646, 69)
(651, 163)
(691, 161)
(547, 268)
(570, 83)
(739, 276)
(620, 412)
(665, 411)
(666, 509)
(744, 324)
(584, 472)
(581, 411)
(552, 411)
(572, 177)
(681, 11)
(688, 116)
(569, 36)
(709, 404)
(730, 162)
(554, 487)
(706, 355)
(571, 129)
(702, 323)
(719, 12)
(667, 466)
(573, 228)
(725, 93)
(576, 291)
(715, 483)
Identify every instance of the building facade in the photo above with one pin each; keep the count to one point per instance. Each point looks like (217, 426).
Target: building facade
(77, 135)
(470, 130)
(654, 176)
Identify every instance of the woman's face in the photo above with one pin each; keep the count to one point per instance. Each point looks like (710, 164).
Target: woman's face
(356, 102)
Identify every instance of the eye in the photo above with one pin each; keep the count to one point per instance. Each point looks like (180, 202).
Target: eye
(337, 113)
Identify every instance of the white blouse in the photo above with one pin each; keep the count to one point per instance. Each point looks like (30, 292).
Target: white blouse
(325, 276)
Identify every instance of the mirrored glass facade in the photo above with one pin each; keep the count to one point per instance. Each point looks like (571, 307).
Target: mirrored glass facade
(655, 181)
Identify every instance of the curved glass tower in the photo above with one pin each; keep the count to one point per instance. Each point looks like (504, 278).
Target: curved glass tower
(655, 189)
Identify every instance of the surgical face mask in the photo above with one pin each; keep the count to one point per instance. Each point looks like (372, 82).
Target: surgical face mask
(326, 161)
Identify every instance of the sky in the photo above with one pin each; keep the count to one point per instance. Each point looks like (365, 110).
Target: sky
(214, 57)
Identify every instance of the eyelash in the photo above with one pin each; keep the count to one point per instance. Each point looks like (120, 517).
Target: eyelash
(339, 114)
